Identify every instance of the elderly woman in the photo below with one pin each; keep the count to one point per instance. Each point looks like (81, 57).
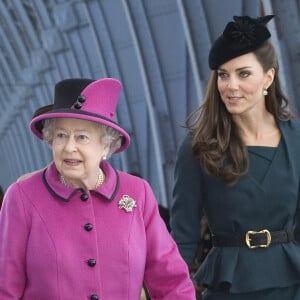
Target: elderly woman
(81, 229)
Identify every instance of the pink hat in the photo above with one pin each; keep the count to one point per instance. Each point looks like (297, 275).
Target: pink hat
(84, 99)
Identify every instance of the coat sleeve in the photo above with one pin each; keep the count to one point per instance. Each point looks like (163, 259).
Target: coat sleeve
(186, 210)
(14, 231)
(166, 274)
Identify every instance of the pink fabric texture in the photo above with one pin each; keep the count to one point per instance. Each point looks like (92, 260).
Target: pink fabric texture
(45, 247)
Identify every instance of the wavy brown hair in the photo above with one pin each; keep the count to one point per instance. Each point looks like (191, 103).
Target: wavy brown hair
(216, 142)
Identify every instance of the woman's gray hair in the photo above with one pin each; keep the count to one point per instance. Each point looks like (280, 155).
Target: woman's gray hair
(108, 135)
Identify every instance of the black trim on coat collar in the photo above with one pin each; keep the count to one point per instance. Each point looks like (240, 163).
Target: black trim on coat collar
(54, 194)
(115, 190)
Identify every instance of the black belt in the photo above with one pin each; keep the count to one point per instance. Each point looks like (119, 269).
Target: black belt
(253, 239)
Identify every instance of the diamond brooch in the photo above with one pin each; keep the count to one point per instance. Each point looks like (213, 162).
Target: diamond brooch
(127, 203)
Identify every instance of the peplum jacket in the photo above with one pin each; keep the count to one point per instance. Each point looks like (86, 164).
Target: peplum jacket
(267, 197)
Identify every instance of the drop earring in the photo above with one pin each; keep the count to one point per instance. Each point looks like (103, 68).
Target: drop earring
(265, 92)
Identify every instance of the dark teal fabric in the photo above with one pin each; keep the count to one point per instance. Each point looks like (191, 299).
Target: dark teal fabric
(288, 293)
(266, 198)
(261, 159)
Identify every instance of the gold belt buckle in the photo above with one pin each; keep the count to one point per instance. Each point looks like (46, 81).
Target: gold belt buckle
(248, 239)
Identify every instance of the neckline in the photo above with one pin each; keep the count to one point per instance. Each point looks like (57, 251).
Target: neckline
(262, 147)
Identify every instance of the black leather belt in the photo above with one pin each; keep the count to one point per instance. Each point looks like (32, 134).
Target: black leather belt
(253, 239)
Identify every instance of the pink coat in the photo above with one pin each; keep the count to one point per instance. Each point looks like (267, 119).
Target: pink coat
(57, 243)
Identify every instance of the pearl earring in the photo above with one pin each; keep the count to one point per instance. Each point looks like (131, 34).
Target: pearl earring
(265, 92)
(104, 157)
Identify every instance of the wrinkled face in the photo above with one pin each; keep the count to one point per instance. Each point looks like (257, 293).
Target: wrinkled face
(77, 149)
(241, 82)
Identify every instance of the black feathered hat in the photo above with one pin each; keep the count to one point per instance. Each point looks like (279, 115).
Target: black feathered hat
(242, 36)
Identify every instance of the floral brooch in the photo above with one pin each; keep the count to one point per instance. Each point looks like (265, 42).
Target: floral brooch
(127, 203)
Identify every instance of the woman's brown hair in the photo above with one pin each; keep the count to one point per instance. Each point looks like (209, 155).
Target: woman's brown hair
(217, 143)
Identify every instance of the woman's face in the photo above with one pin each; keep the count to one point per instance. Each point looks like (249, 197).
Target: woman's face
(241, 82)
(77, 150)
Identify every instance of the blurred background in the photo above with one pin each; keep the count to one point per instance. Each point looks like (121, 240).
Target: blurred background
(157, 48)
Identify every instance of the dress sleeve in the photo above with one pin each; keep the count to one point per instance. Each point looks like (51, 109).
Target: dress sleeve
(166, 274)
(186, 210)
(14, 231)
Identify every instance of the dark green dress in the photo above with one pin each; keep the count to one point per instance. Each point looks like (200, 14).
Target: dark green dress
(266, 198)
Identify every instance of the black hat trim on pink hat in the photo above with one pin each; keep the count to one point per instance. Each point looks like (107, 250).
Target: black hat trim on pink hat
(86, 99)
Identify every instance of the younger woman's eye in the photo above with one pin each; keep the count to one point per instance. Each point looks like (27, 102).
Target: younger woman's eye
(245, 74)
(222, 74)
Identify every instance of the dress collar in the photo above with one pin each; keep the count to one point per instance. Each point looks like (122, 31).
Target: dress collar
(108, 189)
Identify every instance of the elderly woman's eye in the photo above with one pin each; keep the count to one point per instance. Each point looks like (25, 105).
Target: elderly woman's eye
(60, 135)
(82, 139)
